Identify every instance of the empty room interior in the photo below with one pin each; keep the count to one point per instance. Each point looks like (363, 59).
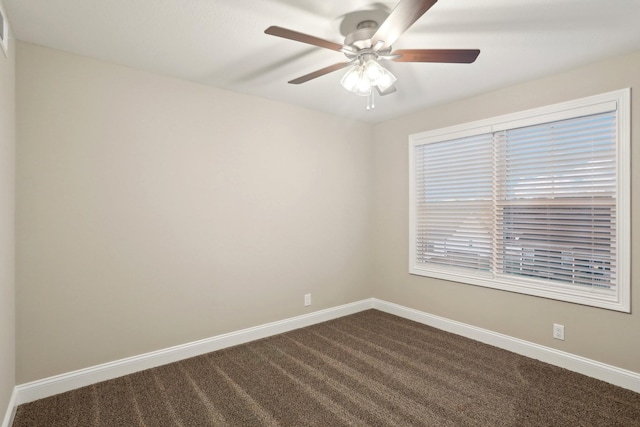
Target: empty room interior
(178, 178)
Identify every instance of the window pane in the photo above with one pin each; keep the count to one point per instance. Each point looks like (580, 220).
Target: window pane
(570, 158)
(571, 244)
(454, 191)
(557, 192)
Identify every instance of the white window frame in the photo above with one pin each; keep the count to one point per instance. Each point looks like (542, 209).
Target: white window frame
(4, 35)
(620, 300)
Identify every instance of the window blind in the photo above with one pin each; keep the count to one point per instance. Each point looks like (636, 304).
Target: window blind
(454, 182)
(535, 202)
(556, 201)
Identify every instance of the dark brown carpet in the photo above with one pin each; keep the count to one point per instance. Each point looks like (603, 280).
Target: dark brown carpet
(367, 369)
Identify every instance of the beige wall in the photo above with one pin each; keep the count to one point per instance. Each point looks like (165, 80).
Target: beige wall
(598, 334)
(153, 212)
(7, 243)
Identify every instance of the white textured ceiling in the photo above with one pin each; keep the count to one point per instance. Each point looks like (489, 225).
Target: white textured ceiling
(222, 43)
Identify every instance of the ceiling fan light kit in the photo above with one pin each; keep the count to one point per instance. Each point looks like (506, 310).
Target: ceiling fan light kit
(369, 44)
(366, 75)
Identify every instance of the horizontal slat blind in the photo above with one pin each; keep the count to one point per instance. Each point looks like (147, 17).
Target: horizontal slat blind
(536, 202)
(453, 210)
(556, 206)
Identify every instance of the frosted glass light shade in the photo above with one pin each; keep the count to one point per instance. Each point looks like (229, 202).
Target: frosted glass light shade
(373, 71)
(350, 80)
(364, 86)
(386, 80)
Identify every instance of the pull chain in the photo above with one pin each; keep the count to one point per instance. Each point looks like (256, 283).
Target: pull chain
(371, 100)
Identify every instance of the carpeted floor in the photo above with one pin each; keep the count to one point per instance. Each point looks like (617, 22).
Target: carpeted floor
(367, 369)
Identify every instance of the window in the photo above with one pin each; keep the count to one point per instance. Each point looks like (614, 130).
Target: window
(536, 202)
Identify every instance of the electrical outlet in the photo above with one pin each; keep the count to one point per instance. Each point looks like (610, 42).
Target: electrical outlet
(307, 299)
(558, 331)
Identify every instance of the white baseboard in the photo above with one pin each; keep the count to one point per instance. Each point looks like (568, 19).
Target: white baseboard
(69, 381)
(611, 374)
(11, 410)
(39, 389)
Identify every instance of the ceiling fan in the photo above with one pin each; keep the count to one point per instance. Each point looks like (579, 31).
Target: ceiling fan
(371, 42)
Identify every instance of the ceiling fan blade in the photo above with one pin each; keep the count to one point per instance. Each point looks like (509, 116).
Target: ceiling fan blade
(460, 56)
(305, 38)
(320, 72)
(401, 18)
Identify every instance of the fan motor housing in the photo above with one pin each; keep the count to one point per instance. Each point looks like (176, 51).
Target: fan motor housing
(360, 38)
